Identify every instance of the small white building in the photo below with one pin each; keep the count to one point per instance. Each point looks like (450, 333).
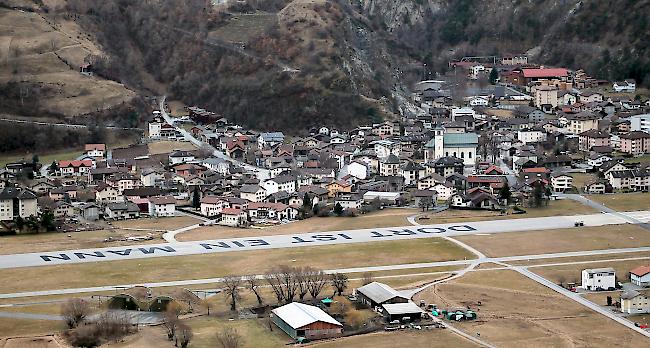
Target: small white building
(625, 86)
(640, 276)
(349, 200)
(528, 136)
(599, 279)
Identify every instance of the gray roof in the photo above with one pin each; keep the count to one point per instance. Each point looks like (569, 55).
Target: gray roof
(16, 192)
(402, 308)
(273, 136)
(125, 206)
(629, 294)
(379, 292)
(298, 315)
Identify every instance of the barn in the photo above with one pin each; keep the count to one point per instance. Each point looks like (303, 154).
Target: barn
(301, 320)
(402, 311)
(376, 294)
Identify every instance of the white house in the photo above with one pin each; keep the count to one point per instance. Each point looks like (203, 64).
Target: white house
(285, 183)
(561, 182)
(212, 206)
(357, 169)
(177, 157)
(232, 217)
(162, 206)
(640, 276)
(625, 86)
(445, 191)
(528, 136)
(17, 202)
(634, 302)
(385, 148)
(462, 112)
(95, 150)
(478, 101)
(270, 139)
(599, 279)
(253, 193)
(349, 200)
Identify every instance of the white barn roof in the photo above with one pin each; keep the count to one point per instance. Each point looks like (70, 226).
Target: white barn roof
(402, 308)
(298, 315)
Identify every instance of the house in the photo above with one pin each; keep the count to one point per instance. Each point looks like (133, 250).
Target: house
(89, 211)
(444, 190)
(628, 86)
(162, 206)
(178, 157)
(640, 276)
(599, 279)
(358, 170)
(121, 211)
(595, 187)
(591, 138)
(389, 166)
(304, 321)
(17, 202)
(233, 217)
(478, 101)
(634, 302)
(275, 211)
(546, 97)
(286, 183)
(385, 148)
(476, 198)
(534, 135)
(412, 172)
(447, 165)
(581, 122)
(265, 140)
(334, 187)
(212, 206)
(348, 201)
(95, 150)
(377, 294)
(640, 123)
(106, 193)
(514, 59)
(75, 168)
(561, 182)
(425, 198)
(635, 143)
(390, 198)
(253, 193)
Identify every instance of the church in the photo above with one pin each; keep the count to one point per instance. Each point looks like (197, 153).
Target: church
(460, 145)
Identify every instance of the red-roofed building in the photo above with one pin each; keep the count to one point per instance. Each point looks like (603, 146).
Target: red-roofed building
(235, 148)
(75, 168)
(640, 276)
(536, 170)
(493, 170)
(233, 217)
(545, 73)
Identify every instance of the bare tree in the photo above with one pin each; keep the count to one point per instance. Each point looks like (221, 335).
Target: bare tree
(75, 311)
(231, 289)
(302, 279)
(253, 284)
(339, 282)
(207, 304)
(184, 335)
(289, 282)
(229, 338)
(367, 278)
(273, 279)
(316, 282)
(170, 319)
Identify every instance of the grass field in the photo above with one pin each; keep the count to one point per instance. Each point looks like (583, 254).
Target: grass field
(624, 201)
(42, 53)
(517, 312)
(242, 27)
(160, 147)
(215, 265)
(562, 240)
(17, 327)
(641, 159)
(383, 218)
(428, 338)
(579, 179)
(26, 243)
(166, 223)
(554, 208)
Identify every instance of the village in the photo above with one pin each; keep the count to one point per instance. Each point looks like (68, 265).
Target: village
(533, 142)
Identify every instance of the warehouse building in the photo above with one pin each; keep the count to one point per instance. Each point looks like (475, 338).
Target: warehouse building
(305, 321)
(408, 311)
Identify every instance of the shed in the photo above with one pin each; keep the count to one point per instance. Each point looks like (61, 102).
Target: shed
(160, 303)
(125, 302)
(304, 321)
(399, 311)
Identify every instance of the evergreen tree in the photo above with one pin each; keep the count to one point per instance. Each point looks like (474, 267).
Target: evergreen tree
(494, 76)
(338, 209)
(505, 193)
(196, 199)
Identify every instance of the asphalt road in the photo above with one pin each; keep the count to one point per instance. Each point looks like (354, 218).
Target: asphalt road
(115, 253)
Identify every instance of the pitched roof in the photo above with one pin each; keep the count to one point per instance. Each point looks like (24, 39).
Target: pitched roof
(379, 292)
(84, 163)
(641, 271)
(298, 315)
(162, 200)
(553, 72)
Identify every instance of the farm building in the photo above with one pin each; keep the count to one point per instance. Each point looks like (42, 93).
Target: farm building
(408, 311)
(376, 294)
(301, 320)
(640, 276)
